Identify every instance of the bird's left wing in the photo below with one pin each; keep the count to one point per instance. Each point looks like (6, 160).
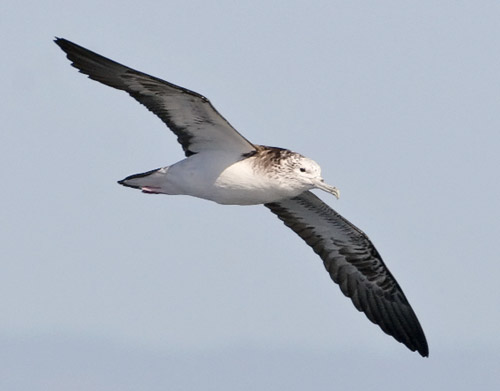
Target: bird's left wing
(353, 263)
(191, 116)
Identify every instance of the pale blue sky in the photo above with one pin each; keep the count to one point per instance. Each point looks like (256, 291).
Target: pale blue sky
(105, 288)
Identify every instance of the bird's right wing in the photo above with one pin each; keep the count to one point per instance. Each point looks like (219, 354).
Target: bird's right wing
(191, 116)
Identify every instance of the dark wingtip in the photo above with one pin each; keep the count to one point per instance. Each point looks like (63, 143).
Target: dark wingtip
(60, 41)
(64, 44)
(418, 343)
(424, 349)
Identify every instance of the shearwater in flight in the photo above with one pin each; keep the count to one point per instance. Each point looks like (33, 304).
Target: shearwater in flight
(223, 166)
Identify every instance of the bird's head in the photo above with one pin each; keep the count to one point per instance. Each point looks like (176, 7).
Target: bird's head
(308, 173)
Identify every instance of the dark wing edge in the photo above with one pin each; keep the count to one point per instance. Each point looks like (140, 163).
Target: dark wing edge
(116, 75)
(355, 265)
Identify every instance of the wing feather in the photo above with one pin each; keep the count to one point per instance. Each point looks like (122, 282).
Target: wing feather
(354, 263)
(191, 116)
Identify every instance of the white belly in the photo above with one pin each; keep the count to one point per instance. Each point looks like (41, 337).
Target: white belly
(225, 181)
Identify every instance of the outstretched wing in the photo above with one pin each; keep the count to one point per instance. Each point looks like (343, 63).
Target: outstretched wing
(191, 116)
(353, 263)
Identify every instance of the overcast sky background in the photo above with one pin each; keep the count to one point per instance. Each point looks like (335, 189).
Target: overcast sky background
(105, 288)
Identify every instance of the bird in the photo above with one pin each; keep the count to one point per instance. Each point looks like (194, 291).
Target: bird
(221, 165)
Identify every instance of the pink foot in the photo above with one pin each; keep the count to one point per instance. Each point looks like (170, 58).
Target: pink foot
(150, 190)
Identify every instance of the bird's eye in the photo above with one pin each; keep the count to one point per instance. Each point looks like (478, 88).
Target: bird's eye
(302, 169)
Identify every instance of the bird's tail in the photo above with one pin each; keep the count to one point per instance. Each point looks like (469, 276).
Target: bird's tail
(151, 182)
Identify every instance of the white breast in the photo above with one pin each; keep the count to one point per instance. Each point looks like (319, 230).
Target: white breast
(225, 179)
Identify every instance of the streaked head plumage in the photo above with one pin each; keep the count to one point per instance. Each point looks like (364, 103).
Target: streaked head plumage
(298, 170)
